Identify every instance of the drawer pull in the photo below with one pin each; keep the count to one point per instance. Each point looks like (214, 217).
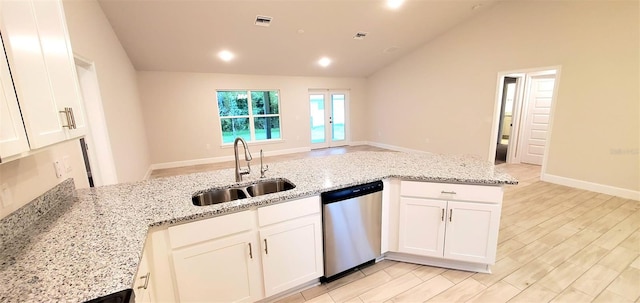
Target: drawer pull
(450, 214)
(448, 192)
(250, 251)
(146, 281)
(442, 218)
(266, 248)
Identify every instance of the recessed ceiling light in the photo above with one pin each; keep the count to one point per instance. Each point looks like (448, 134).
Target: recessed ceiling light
(226, 55)
(324, 61)
(394, 4)
(477, 6)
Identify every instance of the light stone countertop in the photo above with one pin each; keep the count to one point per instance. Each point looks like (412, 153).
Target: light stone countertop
(90, 244)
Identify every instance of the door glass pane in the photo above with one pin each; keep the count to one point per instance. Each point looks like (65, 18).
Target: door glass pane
(235, 127)
(267, 128)
(337, 115)
(317, 118)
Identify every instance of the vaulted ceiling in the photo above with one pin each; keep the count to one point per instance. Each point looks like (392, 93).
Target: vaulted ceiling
(187, 35)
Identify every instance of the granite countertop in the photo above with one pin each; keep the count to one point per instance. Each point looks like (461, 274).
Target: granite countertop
(90, 243)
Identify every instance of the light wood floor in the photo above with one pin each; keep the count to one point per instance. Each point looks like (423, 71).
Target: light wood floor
(556, 244)
(256, 160)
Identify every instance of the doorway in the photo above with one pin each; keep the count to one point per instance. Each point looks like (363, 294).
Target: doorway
(96, 143)
(328, 117)
(523, 115)
(506, 119)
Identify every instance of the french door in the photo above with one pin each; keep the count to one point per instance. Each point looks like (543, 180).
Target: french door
(328, 118)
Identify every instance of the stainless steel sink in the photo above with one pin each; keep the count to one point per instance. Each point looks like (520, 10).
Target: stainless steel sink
(260, 188)
(218, 196)
(269, 187)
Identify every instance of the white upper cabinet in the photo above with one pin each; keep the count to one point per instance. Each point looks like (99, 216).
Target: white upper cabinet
(13, 139)
(43, 70)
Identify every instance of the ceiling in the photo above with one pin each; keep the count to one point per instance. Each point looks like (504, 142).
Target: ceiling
(186, 35)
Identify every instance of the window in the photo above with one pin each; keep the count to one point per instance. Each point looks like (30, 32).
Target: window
(251, 115)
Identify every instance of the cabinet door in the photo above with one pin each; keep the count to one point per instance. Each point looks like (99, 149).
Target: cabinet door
(58, 57)
(472, 232)
(291, 253)
(221, 270)
(40, 112)
(422, 226)
(143, 287)
(13, 139)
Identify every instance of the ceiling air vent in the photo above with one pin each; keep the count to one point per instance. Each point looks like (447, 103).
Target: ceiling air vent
(359, 36)
(263, 21)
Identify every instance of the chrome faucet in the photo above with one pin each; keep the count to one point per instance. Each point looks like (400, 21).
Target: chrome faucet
(263, 169)
(247, 157)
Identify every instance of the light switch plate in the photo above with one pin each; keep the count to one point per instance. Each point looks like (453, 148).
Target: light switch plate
(58, 167)
(67, 163)
(6, 198)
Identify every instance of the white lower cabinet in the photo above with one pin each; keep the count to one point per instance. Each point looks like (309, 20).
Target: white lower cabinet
(222, 270)
(292, 253)
(240, 257)
(433, 224)
(144, 286)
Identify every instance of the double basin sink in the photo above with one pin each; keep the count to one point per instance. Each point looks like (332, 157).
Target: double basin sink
(260, 188)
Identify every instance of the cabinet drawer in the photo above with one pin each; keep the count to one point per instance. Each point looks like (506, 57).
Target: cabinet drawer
(288, 210)
(195, 232)
(445, 191)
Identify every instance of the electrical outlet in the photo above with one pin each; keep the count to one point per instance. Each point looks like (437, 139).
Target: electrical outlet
(67, 164)
(6, 198)
(58, 167)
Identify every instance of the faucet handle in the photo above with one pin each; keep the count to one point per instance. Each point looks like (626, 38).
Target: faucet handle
(264, 170)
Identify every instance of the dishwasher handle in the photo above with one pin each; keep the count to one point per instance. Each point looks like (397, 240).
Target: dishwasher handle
(351, 192)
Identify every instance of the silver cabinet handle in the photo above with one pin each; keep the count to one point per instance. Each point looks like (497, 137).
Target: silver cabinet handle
(68, 116)
(448, 192)
(450, 214)
(73, 118)
(146, 281)
(442, 218)
(266, 248)
(250, 251)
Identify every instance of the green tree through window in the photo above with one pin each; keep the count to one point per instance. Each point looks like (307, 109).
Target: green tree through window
(252, 115)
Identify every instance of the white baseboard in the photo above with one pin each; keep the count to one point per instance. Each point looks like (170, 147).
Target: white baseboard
(221, 159)
(148, 174)
(396, 148)
(595, 187)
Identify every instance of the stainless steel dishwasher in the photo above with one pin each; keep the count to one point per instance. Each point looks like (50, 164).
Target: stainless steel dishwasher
(351, 223)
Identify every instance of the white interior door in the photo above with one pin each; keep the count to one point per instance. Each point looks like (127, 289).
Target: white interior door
(328, 112)
(536, 122)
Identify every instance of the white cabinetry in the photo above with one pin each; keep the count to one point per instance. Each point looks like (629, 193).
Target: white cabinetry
(292, 244)
(13, 139)
(217, 259)
(143, 286)
(246, 256)
(450, 221)
(41, 60)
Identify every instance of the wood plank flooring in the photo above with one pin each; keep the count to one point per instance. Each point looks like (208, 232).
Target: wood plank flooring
(556, 244)
(158, 173)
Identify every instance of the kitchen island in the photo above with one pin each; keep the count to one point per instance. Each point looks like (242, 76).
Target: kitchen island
(89, 244)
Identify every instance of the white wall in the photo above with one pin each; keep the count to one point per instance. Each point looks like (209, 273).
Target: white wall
(93, 38)
(181, 113)
(29, 177)
(441, 97)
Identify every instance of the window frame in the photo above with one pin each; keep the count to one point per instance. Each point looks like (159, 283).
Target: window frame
(250, 115)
